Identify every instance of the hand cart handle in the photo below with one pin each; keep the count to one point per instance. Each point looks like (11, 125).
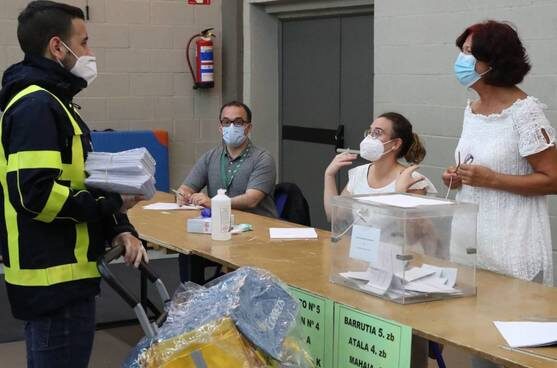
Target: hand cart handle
(150, 328)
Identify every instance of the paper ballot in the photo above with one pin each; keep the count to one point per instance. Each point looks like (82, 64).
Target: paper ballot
(415, 273)
(426, 279)
(160, 206)
(448, 273)
(387, 259)
(376, 281)
(528, 334)
(365, 275)
(430, 279)
(379, 281)
(127, 172)
(430, 284)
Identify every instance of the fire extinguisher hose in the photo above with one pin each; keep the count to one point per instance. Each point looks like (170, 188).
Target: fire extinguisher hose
(188, 57)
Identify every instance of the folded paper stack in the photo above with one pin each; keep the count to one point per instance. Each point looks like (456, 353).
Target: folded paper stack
(126, 172)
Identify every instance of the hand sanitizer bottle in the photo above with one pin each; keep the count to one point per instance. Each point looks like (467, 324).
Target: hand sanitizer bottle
(220, 216)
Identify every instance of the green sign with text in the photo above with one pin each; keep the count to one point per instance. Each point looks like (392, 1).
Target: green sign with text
(316, 321)
(365, 341)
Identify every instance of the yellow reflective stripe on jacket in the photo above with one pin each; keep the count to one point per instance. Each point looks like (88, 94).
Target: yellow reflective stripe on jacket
(56, 199)
(78, 162)
(74, 172)
(10, 215)
(34, 88)
(34, 160)
(75, 125)
(81, 242)
(52, 275)
(41, 160)
(25, 92)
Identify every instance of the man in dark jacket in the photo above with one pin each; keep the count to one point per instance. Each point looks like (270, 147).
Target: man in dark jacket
(52, 228)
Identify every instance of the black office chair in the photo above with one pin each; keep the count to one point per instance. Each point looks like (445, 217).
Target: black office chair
(291, 204)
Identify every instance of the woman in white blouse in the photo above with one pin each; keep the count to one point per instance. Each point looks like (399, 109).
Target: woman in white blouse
(514, 157)
(389, 138)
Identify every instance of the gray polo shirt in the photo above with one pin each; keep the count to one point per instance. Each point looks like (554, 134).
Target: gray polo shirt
(256, 172)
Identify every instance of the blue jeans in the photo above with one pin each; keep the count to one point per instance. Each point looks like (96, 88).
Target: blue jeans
(62, 339)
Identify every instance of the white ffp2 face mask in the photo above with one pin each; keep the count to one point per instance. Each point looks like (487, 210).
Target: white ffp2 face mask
(85, 67)
(372, 149)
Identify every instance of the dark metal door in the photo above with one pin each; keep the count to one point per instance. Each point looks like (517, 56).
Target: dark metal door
(326, 99)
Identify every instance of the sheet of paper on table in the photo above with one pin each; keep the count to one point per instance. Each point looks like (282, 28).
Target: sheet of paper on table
(161, 206)
(292, 233)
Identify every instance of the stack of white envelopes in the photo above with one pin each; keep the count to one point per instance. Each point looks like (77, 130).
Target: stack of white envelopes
(126, 172)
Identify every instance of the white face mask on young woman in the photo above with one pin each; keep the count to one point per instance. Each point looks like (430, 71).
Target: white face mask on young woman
(85, 67)
(372, 149)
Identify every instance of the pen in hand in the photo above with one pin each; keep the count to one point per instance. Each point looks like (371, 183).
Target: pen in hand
(177, 192)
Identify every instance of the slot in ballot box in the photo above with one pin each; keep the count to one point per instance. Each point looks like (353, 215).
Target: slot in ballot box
(404, 248)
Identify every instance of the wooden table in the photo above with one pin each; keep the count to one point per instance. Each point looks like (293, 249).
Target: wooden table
(462, 322)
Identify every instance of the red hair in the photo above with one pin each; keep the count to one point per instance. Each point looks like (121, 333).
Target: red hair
(498, 45)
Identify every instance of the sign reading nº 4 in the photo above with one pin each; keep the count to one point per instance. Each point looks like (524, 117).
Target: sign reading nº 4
(316, 322)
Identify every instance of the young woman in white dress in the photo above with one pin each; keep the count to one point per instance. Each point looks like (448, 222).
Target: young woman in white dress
(514, 157)
(388, 139)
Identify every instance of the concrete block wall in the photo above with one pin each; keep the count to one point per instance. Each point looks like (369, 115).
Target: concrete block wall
(414, 53)
(143, 81)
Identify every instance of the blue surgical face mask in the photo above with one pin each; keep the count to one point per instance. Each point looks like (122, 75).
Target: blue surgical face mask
(233, 135)
(465, 69)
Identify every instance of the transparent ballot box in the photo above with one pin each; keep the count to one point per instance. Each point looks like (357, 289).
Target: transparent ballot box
(404, 248)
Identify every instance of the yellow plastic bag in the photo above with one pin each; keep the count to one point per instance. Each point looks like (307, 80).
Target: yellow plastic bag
(294, 355)
(214, 345)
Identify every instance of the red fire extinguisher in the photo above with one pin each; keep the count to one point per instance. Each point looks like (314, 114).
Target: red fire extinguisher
(204, 76)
